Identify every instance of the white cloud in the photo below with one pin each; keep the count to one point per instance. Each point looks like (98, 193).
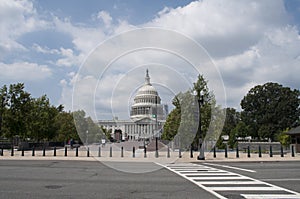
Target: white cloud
(68, 58)
(84, 38)
(16, 19)
(223, 27)
(250, 41)
(105, 17)
(44, 50)
(249, 45)
(274, 58)
(24, 71)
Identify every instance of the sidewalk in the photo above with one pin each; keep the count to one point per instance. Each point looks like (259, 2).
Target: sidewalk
(139, 156)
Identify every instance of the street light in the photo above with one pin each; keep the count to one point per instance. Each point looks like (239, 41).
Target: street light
(87, 137)
(200, 100)
(156, 128)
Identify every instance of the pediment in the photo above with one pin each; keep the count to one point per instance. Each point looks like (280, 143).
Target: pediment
(145, 120)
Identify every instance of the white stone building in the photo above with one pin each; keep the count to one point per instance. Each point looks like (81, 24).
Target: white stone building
(147, 115)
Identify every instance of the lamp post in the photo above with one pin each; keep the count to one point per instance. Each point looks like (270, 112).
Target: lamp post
(87, 137)
(156, 129)
(201, 148)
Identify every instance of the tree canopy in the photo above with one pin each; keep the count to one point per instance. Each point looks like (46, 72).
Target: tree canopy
(36, 119)
(183, 121)
(269, 109)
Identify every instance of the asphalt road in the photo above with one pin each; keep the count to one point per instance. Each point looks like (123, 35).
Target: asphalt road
(91, 179)
(84, 179)
(284, 174)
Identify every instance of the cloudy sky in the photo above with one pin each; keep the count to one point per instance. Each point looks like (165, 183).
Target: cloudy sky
(85, 52)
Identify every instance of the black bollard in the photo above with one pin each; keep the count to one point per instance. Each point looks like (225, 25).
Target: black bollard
(22, 154)
(215, 154)
(33, 151)
(145, 152)
(156, 147)
(12, 150)
(133, 152)
(44, 151)
(226, 154)
(66, 151)
(122, 152)
(271, 151)
(248, 151)
(76, 151)
(180, 156)
(99, 151)
(110, 152)
(54, 151)
(191, 154)
(293, 151)
(2, 151)
(281, 151)
(168, 153)
(88, 152)
(259, 151)
(237, 152)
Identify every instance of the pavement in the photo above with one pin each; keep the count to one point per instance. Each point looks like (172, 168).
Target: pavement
(22, 179)
(127, 156)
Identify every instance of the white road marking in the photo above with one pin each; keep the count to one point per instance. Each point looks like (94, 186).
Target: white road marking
(229, 182)
(202, 171)
(207, 174)
(244, 188)
(220, 178)
(269, 196)
(193, 181)
(203, 175)
(230, 167)
(287, 179)
(193, 172)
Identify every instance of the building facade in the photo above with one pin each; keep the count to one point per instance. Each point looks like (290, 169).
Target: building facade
(147, 115)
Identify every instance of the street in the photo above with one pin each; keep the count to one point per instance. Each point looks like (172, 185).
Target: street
(88, 179)
(92, 179)
(284, 174)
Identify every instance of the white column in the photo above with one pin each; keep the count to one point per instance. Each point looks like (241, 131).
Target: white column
(151, 129)
(139, 127)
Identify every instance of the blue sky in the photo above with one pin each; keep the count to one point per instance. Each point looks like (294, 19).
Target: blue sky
(134, 11)
(44, 43)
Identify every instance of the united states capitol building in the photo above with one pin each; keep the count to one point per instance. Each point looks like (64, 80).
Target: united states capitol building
(147, 115)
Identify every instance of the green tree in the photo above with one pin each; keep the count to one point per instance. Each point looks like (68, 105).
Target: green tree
(65, 127)
(3, 107)
(173, 121)
(81, 124)
(88, 130)
(41, 125)
(240, 130)
(284, 139)
(269, 109)
(207, 101)
(35, 118)
(232, 119)
(183, 121)
(19, 107)
(106, 132)
(95, 132)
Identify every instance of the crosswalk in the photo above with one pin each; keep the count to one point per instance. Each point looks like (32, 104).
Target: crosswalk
(224, 184)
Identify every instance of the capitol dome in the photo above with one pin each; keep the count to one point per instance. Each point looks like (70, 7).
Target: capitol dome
(146, 102)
